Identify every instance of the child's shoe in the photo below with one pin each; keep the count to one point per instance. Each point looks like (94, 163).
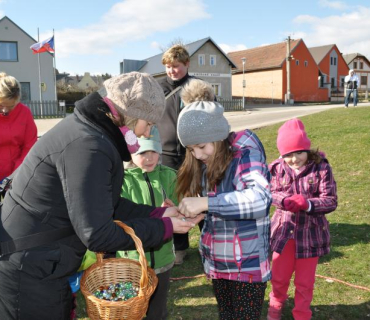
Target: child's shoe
(274, 312)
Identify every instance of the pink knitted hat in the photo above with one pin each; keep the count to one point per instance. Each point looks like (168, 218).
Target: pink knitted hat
(292, 137)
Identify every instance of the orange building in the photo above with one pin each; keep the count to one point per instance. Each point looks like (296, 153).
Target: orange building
(265, 74)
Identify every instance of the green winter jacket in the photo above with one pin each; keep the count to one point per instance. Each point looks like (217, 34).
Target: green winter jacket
(140, 187)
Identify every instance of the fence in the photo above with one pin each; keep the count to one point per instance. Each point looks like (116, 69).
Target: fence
(47, 108)
(232, 104)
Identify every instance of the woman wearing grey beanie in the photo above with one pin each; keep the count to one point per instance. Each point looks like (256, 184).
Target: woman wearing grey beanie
(225, 178)
(66, 196)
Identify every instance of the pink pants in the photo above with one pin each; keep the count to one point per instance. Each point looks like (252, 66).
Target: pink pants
(283, 266)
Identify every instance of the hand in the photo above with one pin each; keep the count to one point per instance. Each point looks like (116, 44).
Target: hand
(191, 207)
(296, 203)
(197, 219)
(167, 203)
(172, 212)
(181, 226)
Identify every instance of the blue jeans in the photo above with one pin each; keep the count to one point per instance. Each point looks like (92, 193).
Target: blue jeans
(348, 94)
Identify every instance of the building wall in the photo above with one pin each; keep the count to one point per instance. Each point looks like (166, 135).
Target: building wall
(87, 82)
(364, 72)
(26, 68)
(304, 76)
(264, 85)
(218, 74)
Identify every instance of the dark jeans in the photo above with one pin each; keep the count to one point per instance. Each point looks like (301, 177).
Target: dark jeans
(23, 296)
(239, 300)
(348, 94)
(158, 302)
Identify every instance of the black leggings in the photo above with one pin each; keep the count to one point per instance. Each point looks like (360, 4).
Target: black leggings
(239, 300)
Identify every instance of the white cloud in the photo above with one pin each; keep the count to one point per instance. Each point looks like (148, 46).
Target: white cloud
(127, 21)
(350, 31)
(155, 45)
(230, 48)
(339, 5)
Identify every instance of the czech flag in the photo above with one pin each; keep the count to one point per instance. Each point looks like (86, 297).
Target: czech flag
(43, 46)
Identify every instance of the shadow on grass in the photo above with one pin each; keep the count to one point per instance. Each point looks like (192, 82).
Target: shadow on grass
(343, 234)
(325, 312)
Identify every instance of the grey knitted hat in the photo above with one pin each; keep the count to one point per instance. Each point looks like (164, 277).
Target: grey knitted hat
(137, 95)
(202, 122)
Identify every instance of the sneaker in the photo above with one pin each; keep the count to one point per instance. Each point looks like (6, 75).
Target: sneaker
(346, 106)
(274, 312)
(180, 255)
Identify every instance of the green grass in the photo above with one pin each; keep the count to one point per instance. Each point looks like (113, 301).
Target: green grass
(344, 135)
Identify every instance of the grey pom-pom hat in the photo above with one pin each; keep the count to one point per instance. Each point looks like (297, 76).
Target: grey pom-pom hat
(202, 122)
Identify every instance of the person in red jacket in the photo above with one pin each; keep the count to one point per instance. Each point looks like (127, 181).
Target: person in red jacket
(18, 132)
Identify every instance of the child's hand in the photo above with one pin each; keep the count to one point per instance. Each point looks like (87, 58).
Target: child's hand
(172, 212)
(191, 207)
(181, 225)
(167, 203)
(296, 203)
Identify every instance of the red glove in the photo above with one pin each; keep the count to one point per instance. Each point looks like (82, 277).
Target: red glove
(296, 203)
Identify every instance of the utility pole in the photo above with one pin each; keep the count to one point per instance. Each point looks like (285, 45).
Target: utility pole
(288, 58)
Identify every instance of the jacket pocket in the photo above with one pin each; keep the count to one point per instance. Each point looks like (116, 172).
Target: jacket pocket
(319, 235)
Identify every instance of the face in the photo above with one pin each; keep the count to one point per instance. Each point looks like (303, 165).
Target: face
(296, 160)
(142, 128)
(177, 70)
(7, 105)
(351, 73)
(147, 161)
(202, 152)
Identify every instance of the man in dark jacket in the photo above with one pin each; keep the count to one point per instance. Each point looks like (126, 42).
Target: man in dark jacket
(68, 187)
(176, 60)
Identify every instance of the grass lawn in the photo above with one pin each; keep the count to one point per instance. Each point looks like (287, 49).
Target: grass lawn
(344, 135)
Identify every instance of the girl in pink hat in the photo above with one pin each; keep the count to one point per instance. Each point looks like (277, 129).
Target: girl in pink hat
(303, 191)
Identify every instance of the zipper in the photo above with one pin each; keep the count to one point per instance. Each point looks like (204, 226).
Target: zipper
(152, 198)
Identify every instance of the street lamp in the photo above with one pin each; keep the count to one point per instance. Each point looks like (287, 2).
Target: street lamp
(243, 60)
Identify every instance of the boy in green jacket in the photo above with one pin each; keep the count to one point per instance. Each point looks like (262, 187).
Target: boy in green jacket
(148, 182)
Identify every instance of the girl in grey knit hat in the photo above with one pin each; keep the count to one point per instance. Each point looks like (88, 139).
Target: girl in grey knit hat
(225, 179)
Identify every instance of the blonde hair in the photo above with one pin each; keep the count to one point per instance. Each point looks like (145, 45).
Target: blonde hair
(9, 87)
(197, 90)
(176, 53)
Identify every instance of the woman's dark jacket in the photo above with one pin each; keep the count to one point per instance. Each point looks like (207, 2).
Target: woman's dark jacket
(73, 176)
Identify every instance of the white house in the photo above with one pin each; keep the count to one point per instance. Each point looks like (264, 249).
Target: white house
(361, 65)
(17, 60)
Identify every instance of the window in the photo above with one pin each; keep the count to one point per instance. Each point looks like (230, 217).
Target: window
(342, 82)
(216, 88)
(332, 82)
(297, 62)
(363, 80)
(306, 63)
(335, 61)
(8, 51)
(201, 59)
(354, 65)
(212, 60)
(331, 60)
(361, 65)
(25, 91)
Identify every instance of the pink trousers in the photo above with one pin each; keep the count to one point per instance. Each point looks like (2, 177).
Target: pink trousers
(283, 266)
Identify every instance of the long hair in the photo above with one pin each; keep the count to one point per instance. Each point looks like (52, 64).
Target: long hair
(314, 155)
(189, 177)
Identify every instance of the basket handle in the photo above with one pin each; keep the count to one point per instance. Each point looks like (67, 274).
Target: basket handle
(140, 250)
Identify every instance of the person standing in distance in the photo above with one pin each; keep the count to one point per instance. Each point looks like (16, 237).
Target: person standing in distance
(176, 60)
(352, 83)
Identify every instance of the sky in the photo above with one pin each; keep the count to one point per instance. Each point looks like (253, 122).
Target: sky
(96, 35)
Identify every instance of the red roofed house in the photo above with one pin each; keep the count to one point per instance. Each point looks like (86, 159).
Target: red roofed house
(266, 74)
(333, 67)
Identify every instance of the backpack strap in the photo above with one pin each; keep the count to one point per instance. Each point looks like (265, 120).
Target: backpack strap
(173, 92)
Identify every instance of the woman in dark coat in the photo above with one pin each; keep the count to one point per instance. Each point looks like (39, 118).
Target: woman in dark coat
(68, 191)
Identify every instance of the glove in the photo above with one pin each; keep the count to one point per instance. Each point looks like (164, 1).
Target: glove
(295, 203)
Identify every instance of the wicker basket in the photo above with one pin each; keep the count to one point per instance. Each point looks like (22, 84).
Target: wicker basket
(110, 271)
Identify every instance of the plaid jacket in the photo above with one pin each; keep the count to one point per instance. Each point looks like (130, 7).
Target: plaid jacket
(234, 243)
(309, 229)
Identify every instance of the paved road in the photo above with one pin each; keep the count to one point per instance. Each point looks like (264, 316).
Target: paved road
(254, 117)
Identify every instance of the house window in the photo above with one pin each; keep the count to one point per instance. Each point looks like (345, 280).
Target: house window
(354, 65)
(333, 82)
(297, 62)
(306, 63)
(331, 60)
(8, 51)
(342, 82)
(335, 61)
(363, 80)
(25, 91)
(217, 89)
(212, 60)
(361, 65)
(201, 59)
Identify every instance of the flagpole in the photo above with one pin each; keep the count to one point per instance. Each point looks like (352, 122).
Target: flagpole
(55, 76)
(38, 59)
